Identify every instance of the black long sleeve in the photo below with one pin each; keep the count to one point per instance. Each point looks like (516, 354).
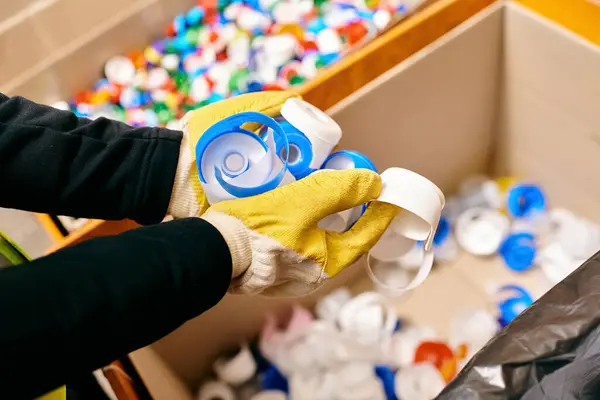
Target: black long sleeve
(83, 307)
(53, 162)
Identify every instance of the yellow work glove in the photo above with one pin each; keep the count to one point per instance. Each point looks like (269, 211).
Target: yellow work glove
(276, 246)
(187, 198)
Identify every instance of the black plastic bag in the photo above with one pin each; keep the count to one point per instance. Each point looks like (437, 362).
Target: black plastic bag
(550, 351)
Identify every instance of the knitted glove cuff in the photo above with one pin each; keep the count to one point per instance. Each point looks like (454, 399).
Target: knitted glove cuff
(237, 237)
(184, 202)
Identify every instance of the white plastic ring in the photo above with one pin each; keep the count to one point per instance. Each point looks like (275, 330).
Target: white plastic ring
(421, 202)
(238, 369)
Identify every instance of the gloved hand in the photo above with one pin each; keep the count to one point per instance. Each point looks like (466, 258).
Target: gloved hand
(187, 198)
(275, 243)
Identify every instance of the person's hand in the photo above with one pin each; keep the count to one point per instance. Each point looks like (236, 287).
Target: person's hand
(187, 198)
(276, 246)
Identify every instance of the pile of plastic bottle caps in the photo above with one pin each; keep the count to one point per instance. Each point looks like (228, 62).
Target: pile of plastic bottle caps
(512, 220)
(223, 48)
(355, 348)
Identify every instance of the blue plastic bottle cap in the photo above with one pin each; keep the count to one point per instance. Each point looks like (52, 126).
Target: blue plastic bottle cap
(348, 159)
(525, 201)
(518, 251)
(272, 379)
(387, 377)
(234, 164)
(233, 126)
(513, 306)
(300, 151)
(442, 233)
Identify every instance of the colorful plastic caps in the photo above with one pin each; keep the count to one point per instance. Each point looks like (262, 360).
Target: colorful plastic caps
(223, 48)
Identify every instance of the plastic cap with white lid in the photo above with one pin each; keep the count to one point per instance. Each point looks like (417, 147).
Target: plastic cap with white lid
(480, 231)
(237, 370)
(405, 342)
(329, 306)
(216, 390)
(419, 382)
(320, 129)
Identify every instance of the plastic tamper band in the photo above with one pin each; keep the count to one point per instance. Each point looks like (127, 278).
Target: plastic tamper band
(480, 231)
(319, 128)
(234, 162)
(421, 202)
(238, 369)
(216, 390)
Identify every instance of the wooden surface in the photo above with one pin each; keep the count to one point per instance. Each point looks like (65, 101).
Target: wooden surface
(579, 16)
(351, 73)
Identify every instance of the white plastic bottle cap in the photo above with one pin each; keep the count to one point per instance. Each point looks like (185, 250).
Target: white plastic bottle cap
(555, 262)
(474, 327)
(249, 19)
(382, 19)
(237, 370)
(270, 395)
(357, 381)
(287, 12)
(368, 317)
(216, 390)
(405, 342)
(580, 238)
(329, 306)
(480, 231)
(320, 129)
(419, 382)
(200, 90)
(279, 49)
(120, 70)
(313, 386)
(421, 202)
(238, 51)
(447, 251)
(170, 62)
(62, 105)
(157, 78)
(308, 67)
(328, 41)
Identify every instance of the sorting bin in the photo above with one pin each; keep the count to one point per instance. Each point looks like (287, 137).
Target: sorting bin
(507, 92)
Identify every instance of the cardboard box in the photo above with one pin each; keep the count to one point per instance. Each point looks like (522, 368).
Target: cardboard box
(506, 92)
